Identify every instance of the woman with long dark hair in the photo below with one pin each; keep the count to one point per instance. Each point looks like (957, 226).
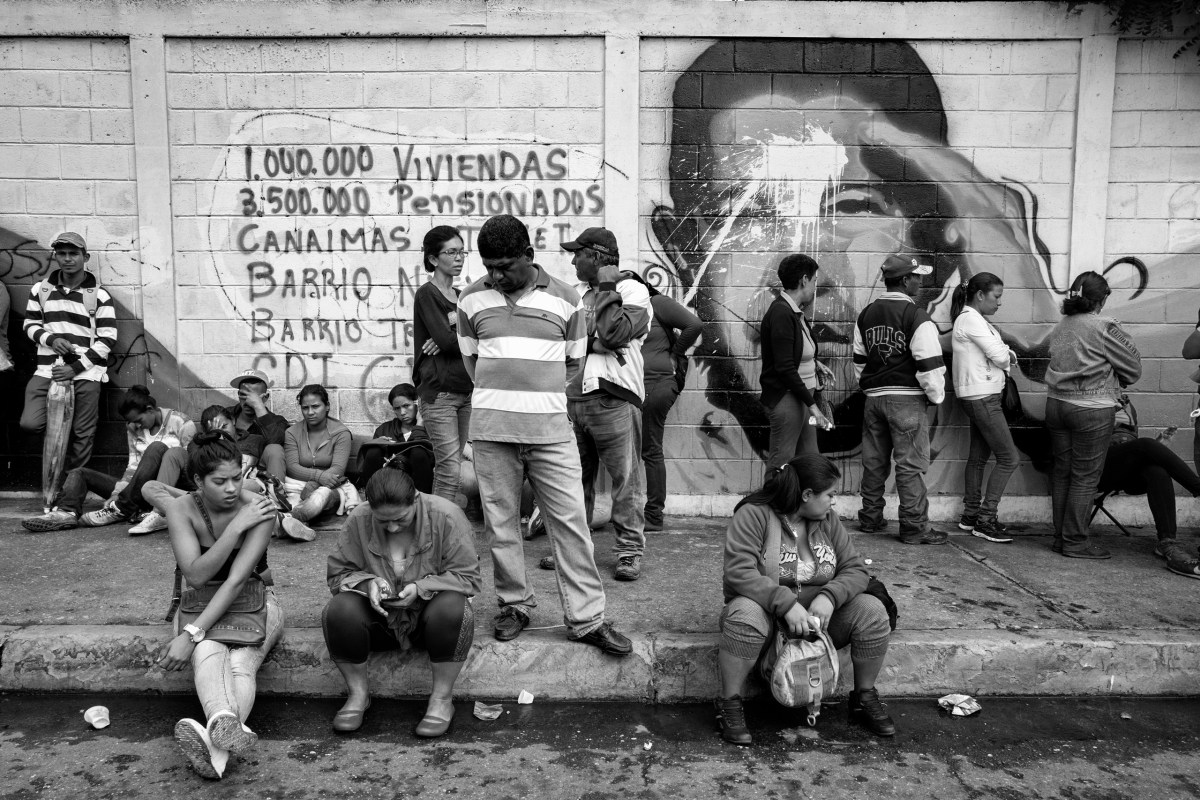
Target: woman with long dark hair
(219, 535)
(790, 563)
(443, 386)
(1091, 360)
(980, 365)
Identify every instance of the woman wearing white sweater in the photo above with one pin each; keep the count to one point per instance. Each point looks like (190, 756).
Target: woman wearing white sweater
(981, 362)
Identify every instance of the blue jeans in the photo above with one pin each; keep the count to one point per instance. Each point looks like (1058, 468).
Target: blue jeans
(896, 426)
(989, 435)
(1079, 439)
(660, 396)
(790, 432)
(553, 469)
(608, 431)
(447, 420)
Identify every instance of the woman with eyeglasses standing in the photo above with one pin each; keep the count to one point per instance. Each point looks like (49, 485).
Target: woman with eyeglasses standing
(443, 386)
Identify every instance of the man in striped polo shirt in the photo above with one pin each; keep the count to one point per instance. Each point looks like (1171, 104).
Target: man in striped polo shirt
(522, 336)
(72, 322)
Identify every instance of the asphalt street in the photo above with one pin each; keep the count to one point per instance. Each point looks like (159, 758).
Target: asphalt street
(1080, 749)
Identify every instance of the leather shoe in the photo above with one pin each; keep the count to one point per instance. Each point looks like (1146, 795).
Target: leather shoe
(347, 721)
(431, 727)
(509, 623)
(608, 640)
(732, 719)
(930, 536)
(866, 710)
(1092, 551)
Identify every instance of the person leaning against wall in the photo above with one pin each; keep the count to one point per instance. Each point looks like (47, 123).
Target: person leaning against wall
(443, 385)
(1191, 350)
(1091, 360)
(789, 364)
(673, 331)
(72, 321)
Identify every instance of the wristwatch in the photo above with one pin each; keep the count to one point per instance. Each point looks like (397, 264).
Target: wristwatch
(197, 634)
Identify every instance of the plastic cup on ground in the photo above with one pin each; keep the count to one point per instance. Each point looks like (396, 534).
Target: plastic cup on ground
(97, 717)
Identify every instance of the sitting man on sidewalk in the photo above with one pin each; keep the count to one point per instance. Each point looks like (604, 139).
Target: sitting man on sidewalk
(251, 417)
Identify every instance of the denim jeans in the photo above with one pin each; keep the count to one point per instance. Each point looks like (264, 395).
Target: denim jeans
(447, 420)
(83, 424)
(989, 435)
(790, 432)
(553, 469)
(896, 426)
(129, 500)
(226, 676)
(608, 431)
(660, 397)
(1079, 439)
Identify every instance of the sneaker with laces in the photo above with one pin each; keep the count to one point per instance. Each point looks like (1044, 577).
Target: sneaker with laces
(989, 528)
(867, 710)
(55, 520)
(629, 568)
(967, 522)
(1178, 560)
(509, 623)
(110, 514)
(927, 536)
(150, 523)
(732, 719)
(536, 526)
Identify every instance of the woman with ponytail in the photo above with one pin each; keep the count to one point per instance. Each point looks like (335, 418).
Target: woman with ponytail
(402, 575)
(1091, 360)
(981, 362)
(790, 563)
(150, 432)
(219, 535)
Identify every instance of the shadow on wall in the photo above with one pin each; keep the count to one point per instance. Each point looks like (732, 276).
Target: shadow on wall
(839, 149)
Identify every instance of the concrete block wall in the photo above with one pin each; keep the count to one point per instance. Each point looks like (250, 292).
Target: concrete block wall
(712, 157)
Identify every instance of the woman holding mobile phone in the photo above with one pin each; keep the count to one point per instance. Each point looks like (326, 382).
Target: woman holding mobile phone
(402, 576)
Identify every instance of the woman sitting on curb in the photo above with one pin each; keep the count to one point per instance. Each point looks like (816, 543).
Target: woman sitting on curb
(220, 534)
(403, 573)
(400, 436)
(150, 432)
(789, 562)
(316, 450)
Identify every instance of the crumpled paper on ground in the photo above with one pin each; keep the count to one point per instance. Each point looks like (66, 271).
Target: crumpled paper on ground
(487, 712)
(960, 705)
(524, 698)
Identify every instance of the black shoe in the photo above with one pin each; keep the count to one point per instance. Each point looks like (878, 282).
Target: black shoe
(629, 568)
(992, 530)
(509, 623)
(866, 526)
(1057, 546)
(732, 719)
(653, 523)
(866, 710)
(927, 536)
(1178, 560)
(967, 523)
(608, 640)
(1091, 551)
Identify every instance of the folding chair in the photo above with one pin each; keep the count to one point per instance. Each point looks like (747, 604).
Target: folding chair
(1098, 506)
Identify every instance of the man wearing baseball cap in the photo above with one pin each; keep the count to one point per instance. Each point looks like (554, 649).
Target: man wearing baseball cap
(72, 321)
(898, 361)
(605, 397)
(252, 417)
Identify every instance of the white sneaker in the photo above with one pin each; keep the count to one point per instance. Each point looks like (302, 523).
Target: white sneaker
(109, 515)
(207, 760)
(150, 523)
(296, 529)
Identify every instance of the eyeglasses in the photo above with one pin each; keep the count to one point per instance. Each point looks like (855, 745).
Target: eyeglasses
(454, 253)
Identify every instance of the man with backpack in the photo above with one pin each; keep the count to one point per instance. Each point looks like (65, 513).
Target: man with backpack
(72, 321)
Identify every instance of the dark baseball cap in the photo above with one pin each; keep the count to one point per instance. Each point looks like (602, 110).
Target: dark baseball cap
(897, 266)
(71, 238)
(601, 240)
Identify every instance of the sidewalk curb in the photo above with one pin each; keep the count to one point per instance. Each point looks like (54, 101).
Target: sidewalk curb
(665, 669)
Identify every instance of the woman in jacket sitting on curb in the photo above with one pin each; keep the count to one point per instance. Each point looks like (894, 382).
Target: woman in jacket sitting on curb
(1091, 361)
(789, 562)
(403, 573)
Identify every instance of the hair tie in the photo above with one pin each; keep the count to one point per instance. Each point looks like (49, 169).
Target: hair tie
(1073, 293)
(963, 286)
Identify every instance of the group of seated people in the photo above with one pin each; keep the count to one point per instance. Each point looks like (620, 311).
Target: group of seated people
(303, 468)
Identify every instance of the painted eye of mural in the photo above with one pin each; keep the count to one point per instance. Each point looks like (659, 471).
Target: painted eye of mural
(857, 201)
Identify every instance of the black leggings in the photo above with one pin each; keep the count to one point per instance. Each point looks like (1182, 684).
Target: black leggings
(353, 630)
(1146, 466)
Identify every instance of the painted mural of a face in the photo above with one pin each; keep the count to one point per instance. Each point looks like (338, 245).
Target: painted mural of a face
(836, 149)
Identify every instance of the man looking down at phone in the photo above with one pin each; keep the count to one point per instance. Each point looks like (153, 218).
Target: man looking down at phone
(401, 576)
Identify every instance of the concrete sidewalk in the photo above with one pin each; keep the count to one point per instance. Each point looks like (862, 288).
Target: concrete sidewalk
(82, 610)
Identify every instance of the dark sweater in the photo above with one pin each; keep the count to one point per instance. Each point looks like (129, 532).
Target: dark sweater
(444, 372)
(782, 347)
(660, 354)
